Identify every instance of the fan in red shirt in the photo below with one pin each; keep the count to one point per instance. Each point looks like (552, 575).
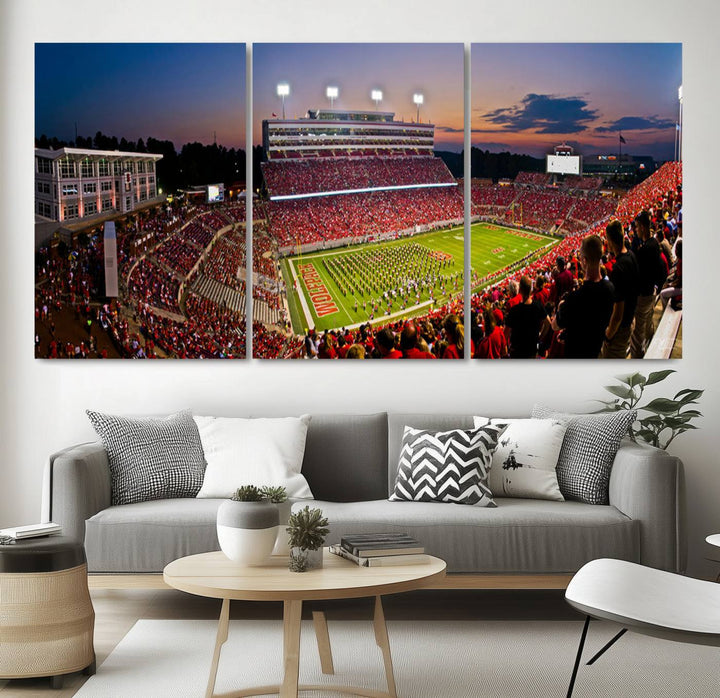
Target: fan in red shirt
(494, 344)
(385, 343)
(455, 334)
(408, 343)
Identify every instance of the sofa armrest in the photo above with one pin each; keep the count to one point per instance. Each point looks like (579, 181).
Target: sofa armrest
(647, 485)
(76, 486)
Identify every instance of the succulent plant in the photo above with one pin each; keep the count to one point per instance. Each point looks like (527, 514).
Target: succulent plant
(298, 561)
(307, 529)
(248, 493)
(277, 495)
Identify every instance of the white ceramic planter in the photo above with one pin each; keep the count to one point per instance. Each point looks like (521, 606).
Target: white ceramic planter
(247, 531)
(282, 541)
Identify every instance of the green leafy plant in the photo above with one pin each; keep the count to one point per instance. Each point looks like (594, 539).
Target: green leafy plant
(298, 561)
(666, 419)
(248, 493)
(277, 495)
(307, 529)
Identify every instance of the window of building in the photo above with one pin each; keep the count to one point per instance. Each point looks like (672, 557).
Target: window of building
(43, 187)
(103, 168)
(105, 186)
(67, 168)
(152, 191)
(128, 203)
(90, 207)
(151, 179)
(141, 167)
(44, 166)
(87, 168)
(89, 187)
(118, 167)
(44, 209)
(107, 204)
(143, 181)
(70, 211)
(69, 190)
(143, 195)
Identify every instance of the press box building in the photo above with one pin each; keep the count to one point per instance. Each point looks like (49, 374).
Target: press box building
(72, 184)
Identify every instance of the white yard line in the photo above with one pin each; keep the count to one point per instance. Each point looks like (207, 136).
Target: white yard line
(301, 296)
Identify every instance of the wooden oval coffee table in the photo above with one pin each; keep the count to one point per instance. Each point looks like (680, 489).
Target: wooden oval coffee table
(213, 575)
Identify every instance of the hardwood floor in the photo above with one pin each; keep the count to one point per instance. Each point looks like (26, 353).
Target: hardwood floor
(117, 610)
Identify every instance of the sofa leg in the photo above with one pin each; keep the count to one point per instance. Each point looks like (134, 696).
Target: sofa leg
(578, 657)
(56, 682)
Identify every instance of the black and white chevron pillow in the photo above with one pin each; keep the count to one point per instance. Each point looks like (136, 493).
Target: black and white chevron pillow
(446, 466)
(151, 458)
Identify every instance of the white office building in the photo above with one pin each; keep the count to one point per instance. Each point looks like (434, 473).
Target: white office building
(73, 184)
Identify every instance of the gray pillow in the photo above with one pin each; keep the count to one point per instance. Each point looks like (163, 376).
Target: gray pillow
(588, 451)
(446, 466)
(151, 458)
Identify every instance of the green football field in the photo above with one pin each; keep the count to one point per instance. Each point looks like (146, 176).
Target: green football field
(386, 281)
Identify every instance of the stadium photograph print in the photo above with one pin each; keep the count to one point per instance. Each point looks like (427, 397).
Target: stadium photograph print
(358, 242)
(576, 228)
(140, 201)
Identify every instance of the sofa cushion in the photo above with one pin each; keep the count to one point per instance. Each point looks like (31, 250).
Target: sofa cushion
(151, 457)
(146, 536)
(588, 451)
(446, 466)
(346, 457)
(519, 536)
(260, 452)
(396, 424)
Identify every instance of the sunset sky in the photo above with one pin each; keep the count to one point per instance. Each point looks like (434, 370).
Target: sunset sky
(526, 98)
(178, 92)
(399, 70)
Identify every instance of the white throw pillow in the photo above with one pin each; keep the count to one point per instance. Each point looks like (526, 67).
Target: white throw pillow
(253, 452)
(525, 460)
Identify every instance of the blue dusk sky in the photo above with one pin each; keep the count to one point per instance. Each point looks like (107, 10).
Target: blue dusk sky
(399, 70)
(526, 98)
(177, 92)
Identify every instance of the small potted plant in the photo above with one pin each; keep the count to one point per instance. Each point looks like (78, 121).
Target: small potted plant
(247, 526)
(307, 529)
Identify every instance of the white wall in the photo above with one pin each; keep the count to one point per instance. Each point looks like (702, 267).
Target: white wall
(43, 402)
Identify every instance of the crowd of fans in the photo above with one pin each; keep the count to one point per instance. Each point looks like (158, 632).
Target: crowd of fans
(361, 216)
(332, 174)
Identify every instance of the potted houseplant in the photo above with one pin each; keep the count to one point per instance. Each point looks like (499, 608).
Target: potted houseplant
(306, 529)
(247, 526)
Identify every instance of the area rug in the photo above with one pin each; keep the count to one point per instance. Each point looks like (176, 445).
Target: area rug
(437, 659)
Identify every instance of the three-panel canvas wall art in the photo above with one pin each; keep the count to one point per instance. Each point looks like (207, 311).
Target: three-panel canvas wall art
(361, 233)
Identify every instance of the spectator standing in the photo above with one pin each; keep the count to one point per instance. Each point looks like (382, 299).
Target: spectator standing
(624, 278)
(652, 274)
(523, 323)
(585, 312)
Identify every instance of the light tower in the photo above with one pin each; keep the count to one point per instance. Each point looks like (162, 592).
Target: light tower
(678, 126)
(332, 93)
(283, 90)
(376, 96)
(418, 100)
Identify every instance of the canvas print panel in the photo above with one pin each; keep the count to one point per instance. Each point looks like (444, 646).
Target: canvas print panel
(358, 225)
(140, 201)
(576, 201)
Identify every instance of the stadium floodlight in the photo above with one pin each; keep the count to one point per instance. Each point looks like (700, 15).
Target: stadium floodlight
(376, 96)
(332, 93)
(283, 90)
(418, 99)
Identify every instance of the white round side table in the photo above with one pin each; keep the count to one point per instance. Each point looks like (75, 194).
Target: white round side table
(714, 539)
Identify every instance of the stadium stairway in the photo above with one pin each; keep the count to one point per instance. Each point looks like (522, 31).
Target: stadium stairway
(220, 294)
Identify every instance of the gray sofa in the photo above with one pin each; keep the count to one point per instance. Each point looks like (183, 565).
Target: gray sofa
(350, 463)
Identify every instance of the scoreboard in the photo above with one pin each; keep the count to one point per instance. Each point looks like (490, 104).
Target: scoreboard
(564, 164)
(215, 193)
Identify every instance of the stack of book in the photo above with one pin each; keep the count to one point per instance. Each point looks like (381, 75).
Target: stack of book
(380, 549)
(31, 531)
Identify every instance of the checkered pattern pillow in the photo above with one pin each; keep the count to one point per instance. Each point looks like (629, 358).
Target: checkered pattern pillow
(446, 466)
(588, 451)
(151, 458)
